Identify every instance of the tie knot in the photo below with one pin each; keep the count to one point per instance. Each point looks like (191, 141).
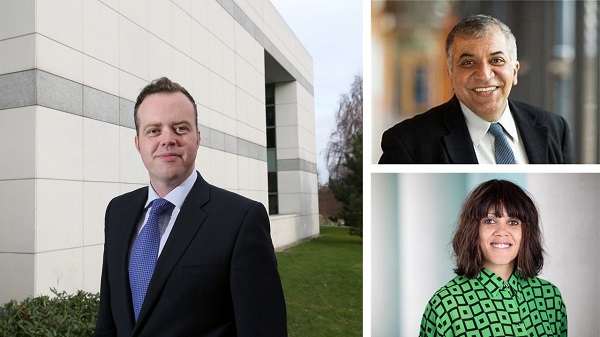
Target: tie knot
(496, 130)
(160, 205)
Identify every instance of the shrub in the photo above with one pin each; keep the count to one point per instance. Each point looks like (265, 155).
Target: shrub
(64, 315)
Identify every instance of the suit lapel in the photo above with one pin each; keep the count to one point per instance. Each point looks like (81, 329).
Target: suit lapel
(126, 229)
(534, 136)
(457, 141)
(184, 230)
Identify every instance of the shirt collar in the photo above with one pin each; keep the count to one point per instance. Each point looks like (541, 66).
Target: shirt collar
(177, 195)
(494, 283)
(478, 127)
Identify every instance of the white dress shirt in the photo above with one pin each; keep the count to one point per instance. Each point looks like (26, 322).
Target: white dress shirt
(483, 142)
(167, 219)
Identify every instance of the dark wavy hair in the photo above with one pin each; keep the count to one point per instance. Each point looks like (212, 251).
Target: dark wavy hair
(160, 85)
(496, 195)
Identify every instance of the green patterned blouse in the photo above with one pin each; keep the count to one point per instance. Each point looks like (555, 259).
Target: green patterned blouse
(489, 306)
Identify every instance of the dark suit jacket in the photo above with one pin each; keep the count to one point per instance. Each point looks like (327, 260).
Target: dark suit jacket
(216, 275)
(441, 136)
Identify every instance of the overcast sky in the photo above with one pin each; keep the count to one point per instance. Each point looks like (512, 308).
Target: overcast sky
(331, 31)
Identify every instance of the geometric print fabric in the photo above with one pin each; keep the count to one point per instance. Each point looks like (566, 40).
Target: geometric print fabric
(489, 306)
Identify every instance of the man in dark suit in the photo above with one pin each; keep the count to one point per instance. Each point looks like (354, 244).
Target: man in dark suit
(480, 124)
(202, 263)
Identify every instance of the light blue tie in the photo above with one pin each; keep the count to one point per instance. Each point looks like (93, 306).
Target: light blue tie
(502, 150)
(144, 254)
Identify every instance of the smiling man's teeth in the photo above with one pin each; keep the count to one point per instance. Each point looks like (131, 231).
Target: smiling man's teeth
(488, 89)
(500, 245)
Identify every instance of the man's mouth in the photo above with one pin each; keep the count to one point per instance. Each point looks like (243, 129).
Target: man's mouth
(485, 89)
(167, 155)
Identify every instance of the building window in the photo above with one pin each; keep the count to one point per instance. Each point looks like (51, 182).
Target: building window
(271, 149)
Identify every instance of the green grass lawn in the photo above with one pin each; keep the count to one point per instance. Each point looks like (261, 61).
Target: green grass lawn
(322, 282)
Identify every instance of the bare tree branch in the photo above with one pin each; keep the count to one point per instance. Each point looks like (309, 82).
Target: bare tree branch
(349, 120)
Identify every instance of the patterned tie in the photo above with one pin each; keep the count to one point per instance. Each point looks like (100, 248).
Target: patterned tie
(502, 150)
(144, 254)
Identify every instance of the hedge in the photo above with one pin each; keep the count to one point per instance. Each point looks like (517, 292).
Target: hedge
(61, 316)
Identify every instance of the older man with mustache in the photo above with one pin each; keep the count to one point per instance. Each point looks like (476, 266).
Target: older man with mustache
(480, 125)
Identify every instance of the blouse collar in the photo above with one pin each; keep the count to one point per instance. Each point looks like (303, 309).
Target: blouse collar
(494, 283)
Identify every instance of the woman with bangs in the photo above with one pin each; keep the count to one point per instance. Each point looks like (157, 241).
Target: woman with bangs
(498, 250)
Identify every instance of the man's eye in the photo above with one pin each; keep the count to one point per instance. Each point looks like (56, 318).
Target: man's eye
(498, 61)
(467, 63)
(181, 129)
(152, 131)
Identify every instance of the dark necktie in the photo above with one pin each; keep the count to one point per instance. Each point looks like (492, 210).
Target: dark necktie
(144, 254)
(502, 150)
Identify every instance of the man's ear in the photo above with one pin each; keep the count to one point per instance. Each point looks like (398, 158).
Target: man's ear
(517, 66)
(449, 73)
(137, 143)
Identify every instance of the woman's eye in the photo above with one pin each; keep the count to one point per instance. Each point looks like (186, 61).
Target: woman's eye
(514, 222)
(489, 221)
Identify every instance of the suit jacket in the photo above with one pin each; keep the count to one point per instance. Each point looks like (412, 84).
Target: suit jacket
(441, 136)
(216, 275)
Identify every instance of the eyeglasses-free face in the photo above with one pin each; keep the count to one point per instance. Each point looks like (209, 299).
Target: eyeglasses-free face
(499, 240)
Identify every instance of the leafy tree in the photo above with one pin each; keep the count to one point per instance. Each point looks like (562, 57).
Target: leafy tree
(349, 189)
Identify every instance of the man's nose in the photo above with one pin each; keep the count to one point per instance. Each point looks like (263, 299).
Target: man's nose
(168, 138)
(483, 71)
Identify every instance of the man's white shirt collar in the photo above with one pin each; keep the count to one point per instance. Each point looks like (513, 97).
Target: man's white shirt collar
(177, 195)
(478, 127)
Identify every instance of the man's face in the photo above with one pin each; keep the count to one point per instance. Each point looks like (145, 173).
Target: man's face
(168, 138)
(482, 73)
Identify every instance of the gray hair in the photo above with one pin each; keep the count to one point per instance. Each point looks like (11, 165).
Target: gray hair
(478, 26)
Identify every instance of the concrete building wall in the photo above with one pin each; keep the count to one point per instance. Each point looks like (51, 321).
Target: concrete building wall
(70, 71)
(296, 155)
